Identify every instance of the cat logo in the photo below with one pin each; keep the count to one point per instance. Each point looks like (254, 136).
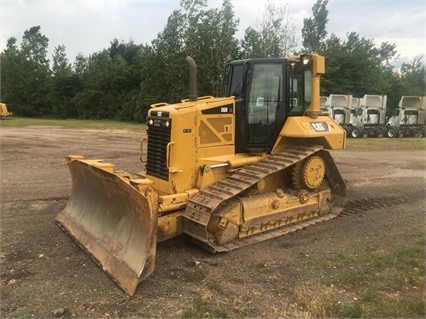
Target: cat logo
(320, 126)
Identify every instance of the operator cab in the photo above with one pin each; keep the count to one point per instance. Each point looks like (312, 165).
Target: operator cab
(266, 91)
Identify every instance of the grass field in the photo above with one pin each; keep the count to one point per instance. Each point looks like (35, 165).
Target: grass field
(72, 123)
(374, 284)
(403, 143)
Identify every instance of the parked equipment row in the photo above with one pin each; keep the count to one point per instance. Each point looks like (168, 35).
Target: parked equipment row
(366, 116)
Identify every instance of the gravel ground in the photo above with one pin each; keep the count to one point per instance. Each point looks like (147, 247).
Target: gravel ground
(44, 274)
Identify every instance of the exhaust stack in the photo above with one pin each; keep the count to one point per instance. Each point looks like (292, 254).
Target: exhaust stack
(192, 79)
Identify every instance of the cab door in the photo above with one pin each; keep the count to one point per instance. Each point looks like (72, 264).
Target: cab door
(261, 112)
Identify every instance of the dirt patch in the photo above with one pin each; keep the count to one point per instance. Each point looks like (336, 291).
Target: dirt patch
(44, 274)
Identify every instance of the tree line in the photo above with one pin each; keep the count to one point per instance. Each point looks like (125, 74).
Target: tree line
(121, 82)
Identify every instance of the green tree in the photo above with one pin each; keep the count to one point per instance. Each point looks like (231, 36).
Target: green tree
(35, 73)
(109, 80)
(207, 35)
(357, 66)
(170, 82)
(11, 81)
(25, 74)
(210, 40)
(80, 64)
(314, 29)
(127, 50)
(64, 85)
(61, 66)
(224, 46)
(414, 77)
(251, 45)
(408, 80)
(93, 100)
(152, 89)
(125, 77)
(274, 35)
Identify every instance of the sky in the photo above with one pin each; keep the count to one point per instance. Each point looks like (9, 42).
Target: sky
(88, 26)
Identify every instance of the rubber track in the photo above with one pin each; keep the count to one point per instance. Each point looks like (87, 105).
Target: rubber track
(208, 200)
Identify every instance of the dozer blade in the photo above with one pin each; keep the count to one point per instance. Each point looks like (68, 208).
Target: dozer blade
(112, 221)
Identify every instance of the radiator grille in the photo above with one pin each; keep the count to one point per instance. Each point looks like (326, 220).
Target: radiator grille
(158, 138)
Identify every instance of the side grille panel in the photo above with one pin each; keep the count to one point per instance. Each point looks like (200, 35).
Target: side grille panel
(158, 138)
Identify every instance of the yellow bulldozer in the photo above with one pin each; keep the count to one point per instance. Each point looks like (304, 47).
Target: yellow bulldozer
(227, 171)
(4, 111)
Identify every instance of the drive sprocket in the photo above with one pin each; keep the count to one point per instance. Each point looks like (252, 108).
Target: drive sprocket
(309, 173)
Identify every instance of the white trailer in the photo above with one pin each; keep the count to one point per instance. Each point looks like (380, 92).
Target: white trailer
(323, 104)
(343, 110)
(408, 118)
(371, 115)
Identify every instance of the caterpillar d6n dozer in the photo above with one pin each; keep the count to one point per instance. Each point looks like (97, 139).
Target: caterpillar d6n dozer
(227, 171)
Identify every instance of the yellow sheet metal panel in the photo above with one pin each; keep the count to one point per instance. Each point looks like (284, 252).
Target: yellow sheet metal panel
(323, 130)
